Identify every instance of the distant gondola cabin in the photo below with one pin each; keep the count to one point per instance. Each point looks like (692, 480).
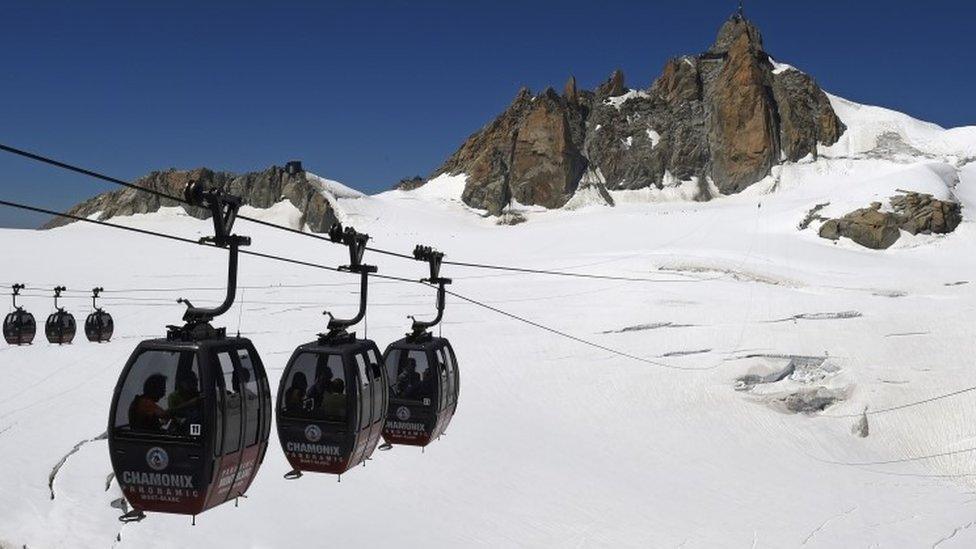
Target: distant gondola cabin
(424, 386)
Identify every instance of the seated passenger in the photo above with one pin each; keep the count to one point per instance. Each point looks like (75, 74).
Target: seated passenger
(145, 413)
(334, 401)
(187, 391)
(296, 393)
(426, 387)
(323, 380)
(183, 402)
(408, 380)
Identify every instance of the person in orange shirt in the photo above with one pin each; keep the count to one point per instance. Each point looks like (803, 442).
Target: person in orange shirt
(145, 413)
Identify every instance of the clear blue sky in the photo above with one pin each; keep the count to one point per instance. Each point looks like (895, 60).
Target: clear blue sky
(369, 92)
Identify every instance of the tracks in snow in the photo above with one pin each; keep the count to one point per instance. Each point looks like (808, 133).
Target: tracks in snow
(57, 467)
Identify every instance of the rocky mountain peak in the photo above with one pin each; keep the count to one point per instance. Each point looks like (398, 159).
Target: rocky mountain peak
(258, 189)
(614, 86)
(734, 29)
(722, 119)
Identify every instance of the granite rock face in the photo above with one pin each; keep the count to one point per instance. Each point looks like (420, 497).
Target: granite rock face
(530, 153)
(722, 118)
(258, 189)
(743, 129)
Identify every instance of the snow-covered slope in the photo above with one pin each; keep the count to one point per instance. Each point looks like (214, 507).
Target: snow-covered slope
(556, 443)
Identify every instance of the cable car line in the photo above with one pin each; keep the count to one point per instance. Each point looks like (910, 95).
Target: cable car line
(902, 406)
(377, 275)
(574, 338)
(117, 181)
(164, 235)
(898, 460)
(83, 171)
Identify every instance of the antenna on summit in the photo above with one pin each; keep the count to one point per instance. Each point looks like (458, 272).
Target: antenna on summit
(740, 12)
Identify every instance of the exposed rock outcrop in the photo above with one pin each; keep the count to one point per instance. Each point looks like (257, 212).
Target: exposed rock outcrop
(723, 117)
(805, 115)
(546, 163)
(869, 227)
(921, 213)
(913, 212)
(530, 153)
(409, 183)
(258, 189)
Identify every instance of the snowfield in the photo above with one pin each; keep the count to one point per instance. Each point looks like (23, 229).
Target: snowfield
(557, 444)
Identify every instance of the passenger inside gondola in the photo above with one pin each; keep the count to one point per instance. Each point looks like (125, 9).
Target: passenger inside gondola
(320, 387)
(296, 393)
(408, 380)
(427, 384)
(183, 404)
(334, 400)
(145, 413)
(325, 397)
(162, 394)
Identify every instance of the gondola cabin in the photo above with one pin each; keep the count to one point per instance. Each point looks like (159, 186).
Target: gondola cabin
(191, 414)
(331, 405)
(189, 423)
(424, 385)
(422, 373)
(99, 325)
(332, 395)
(19, 326)
(60, 326)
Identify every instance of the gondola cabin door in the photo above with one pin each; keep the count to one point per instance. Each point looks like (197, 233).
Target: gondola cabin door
(244, 420)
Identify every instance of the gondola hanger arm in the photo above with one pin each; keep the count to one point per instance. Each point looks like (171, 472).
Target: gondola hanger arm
(223, 209)
(57, 294)
(356, 242)
(95, 292)
(16, 288)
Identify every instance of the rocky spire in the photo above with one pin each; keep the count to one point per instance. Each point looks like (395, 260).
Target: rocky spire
(614, 86)
(731, 30)
(569, 91)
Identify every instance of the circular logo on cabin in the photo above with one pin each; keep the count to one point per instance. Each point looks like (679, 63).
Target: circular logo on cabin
(403, 413)
(313, 433)
(157, 458)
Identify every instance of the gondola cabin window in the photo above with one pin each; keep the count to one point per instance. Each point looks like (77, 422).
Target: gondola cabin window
(161, 395)
(365, 397)
(376, 372)
(451, 389)
(252, 403)
(442, 368)
(393, 369)
(232, 404)
(316, 388)
(415, 380)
